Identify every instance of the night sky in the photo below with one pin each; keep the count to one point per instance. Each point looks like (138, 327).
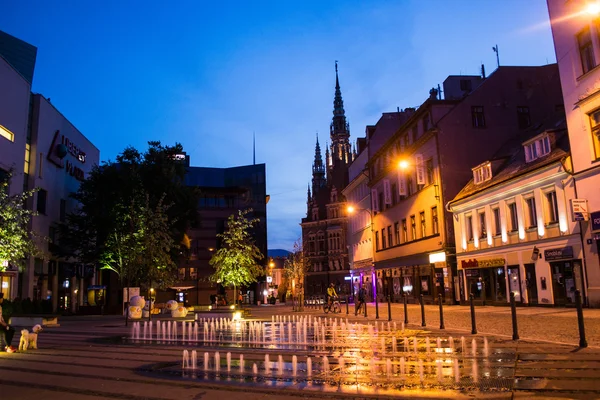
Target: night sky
(208, 74)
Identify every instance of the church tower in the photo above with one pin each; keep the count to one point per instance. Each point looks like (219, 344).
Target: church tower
(339, 132)
(324, 228)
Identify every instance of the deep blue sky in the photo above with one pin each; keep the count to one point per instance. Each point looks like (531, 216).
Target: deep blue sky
(209, 73)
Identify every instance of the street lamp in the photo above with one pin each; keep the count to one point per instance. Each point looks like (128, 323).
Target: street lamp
(351, 209)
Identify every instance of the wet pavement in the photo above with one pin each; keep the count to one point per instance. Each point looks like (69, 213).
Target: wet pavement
(85, 359)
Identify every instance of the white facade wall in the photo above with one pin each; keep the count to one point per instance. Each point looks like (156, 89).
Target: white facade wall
(55, 180)
(516, 247)
(581, 91)
(14, 113)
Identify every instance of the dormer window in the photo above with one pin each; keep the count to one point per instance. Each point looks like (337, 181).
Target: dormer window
(537, 148)
(482, 173)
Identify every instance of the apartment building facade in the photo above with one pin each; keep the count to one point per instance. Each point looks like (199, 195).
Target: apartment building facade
(513, 225)
(576, 29)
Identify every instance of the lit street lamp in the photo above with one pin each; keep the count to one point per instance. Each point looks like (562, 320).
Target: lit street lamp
(351, 209)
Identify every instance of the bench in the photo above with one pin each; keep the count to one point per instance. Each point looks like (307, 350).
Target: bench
(31, 320)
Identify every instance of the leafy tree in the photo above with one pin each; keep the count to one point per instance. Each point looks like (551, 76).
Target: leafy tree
(155, 244)
(294, 270)
(119, 201)
(236, 261)
(16, 241)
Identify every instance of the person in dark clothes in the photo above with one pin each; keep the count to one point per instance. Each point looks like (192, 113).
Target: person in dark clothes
(6, 330)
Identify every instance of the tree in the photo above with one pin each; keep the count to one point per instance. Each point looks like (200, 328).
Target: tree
(16, 241)
(119, 201)
(236, 261)
(294, 270)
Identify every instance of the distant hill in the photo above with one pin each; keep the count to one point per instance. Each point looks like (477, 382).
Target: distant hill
(277, 253)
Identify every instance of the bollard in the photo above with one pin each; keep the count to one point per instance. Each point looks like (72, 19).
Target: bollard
(441, 312)
(376, 307)
(389, 308)
(405, 310)
(346, 305)
(422, 311)
(513, 311)
(582, 341)
(473, 324)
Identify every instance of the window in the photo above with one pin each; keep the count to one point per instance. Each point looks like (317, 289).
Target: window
(536, 149)
(415, 132)
(27, 158)
(413, 226)
(514, 219)
(434, 220)
(193, 273)
(586, 50)
(423, 227)
(482, 173)
(41, 201)
(482, 226)
(396, 233)
(376, 240)
(477, 117)
(425, 124)
(595, 124)
(469, 226)
(409, 185)
(5, 133)
(181, 273)
(383, 243)
(382, 205)
(523, 117)
(63, 210)
(497, 222)
(552, 213)
(531, 212)
(404, 231)
(429, 166)
(465, 85)
(394, 194)
(389, 232)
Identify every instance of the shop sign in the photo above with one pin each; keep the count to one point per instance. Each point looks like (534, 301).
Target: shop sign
(59, 148)
(580, 209)
(488, 263)
(559, 254)
(596, 221)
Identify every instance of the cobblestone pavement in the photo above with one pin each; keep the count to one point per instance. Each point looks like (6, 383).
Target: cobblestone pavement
(557, 325)
(75, 361)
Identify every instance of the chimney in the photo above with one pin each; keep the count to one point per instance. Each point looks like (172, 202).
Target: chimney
(433, 94)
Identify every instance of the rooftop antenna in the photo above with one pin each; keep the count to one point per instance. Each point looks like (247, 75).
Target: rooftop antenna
(253, 148)
(495, 48)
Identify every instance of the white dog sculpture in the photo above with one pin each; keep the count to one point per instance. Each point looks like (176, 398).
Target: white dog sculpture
(29, 339)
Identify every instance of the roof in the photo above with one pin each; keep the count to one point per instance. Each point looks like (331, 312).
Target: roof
(510, 162)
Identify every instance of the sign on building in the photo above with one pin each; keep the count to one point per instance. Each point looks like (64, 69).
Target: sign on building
(595, 221)
(579, 210)
(420, 169)
(387, 192)
(401, 184)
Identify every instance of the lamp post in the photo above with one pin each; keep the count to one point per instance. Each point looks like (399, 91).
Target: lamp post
(352, 209)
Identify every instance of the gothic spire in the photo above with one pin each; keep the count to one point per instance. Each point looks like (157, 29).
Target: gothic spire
(318, 170)
(338, 103)
(339, 129)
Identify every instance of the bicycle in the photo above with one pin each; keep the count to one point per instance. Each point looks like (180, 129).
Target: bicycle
(334, 307)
